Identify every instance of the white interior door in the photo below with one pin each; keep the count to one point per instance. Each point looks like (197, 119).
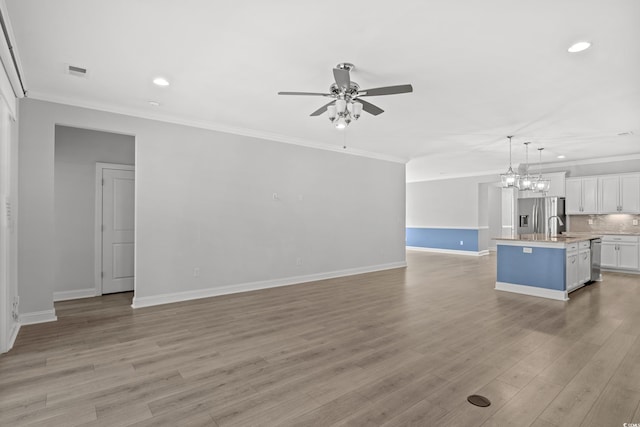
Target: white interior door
(118, 201)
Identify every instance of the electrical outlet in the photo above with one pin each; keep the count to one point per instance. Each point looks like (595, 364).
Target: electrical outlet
(298, 261)
(527, 250)
(275, 196)
(590, 221)
(461, 242)
(635, 222)
(196, 272)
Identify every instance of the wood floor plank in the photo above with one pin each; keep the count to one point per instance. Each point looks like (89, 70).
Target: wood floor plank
(615, 406)
(525, 406)
(576, 399)
(395, 347)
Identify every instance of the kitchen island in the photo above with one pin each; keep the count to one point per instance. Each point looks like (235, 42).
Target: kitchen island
(548, 267)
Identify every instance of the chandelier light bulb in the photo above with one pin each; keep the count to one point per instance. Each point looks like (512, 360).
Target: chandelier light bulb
(357, 110)
(341, 105)
(331, 111)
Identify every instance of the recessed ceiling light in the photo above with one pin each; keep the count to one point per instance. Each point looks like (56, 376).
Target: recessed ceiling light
(579, 47)
(561, 156)
(154, 103)
(161, 81)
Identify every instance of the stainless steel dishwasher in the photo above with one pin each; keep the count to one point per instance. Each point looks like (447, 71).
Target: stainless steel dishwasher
(596, 248)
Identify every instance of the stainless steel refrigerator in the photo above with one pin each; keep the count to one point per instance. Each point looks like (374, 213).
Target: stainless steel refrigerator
(537, 215)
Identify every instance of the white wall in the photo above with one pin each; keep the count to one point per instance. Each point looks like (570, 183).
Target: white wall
(204, 199)
(76, 154)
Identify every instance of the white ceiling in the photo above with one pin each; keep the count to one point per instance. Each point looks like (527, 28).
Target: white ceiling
(481, 70)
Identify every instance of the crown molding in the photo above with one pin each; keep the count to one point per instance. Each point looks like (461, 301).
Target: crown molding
(591, 161)
(544, 165)
(253, 133)
(461, 175)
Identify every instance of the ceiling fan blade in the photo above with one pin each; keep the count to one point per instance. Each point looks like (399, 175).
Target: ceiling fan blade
(370, 108)
(342, 78)
(387, 90)
(322, 109)
(304, 93)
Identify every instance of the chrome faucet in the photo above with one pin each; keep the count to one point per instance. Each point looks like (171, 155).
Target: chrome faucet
(549, 223)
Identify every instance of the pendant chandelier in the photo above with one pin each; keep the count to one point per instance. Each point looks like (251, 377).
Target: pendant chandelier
(510, 179)
(541, 185)
(527, 182)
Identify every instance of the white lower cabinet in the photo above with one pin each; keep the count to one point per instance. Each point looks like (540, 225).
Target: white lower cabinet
(620, 252)
(578, 265)
(584, 266)
(572, 271)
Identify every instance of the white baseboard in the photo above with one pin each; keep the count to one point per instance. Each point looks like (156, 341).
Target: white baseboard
(448, 251)
(12, 337)
(139, 302)
(38, 317)
(14, 334)
(619, 270)
(532, 290)
(77, 294)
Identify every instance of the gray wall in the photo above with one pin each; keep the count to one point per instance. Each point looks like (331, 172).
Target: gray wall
(204, 199)
(447, 203)
(76, 154)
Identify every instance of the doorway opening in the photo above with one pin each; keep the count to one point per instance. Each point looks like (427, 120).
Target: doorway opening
(79, 154)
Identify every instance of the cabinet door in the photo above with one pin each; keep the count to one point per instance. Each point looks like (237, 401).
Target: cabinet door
(589, 195)
(572, 272)
(573, 201)
(630, 193)
(609, 255)
(584, 266)
(628, 255)
(610, 194)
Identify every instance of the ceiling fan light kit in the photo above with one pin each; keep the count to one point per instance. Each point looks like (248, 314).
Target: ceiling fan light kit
(344, 109)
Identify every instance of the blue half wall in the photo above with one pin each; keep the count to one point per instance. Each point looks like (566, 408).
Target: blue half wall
(443, 238)
(542, 268)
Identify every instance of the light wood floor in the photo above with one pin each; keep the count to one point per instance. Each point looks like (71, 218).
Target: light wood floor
(400, 347)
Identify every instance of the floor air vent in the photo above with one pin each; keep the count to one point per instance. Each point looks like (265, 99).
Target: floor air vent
(476, 399)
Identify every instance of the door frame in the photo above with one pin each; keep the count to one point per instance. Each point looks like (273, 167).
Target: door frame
(97, 269)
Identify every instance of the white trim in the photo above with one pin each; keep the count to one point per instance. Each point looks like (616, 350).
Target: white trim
(531, 244)
(77, 294)
(448, 251)
(532, 291)
(218, 127)
(453, 227)
(139, 302)
(38, 317)
(590, 162)
(15, 330)
(487, 174)
(97, 228)
(619, 270)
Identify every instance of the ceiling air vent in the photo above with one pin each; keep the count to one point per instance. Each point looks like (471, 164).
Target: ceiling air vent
(77, 71)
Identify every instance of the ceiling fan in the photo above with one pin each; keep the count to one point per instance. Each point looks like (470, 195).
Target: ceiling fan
(347, 104)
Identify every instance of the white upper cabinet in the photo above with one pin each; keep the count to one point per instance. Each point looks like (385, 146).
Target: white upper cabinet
(630, 193)
(581, 196)
(619, 194)
(610, 194)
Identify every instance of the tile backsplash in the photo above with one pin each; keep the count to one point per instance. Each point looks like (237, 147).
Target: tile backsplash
(614, 223)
